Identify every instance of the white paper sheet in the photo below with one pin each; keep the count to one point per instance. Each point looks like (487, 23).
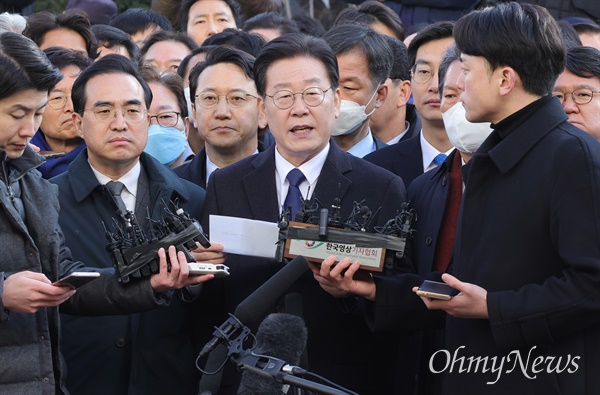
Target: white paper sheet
(244, 236)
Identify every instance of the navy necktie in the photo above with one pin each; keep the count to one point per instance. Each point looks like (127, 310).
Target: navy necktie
(294, 196)
(439, 159)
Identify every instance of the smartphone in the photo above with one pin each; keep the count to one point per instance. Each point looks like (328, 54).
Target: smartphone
(76, 279)
(197, 269)
(436, 290)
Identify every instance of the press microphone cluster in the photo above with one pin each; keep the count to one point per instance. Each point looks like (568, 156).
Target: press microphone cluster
(257, 304)
(135, 254)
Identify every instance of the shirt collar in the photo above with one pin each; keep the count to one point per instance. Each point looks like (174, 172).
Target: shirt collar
(211, 167)
(364, 146)
(311, 170)
(429, 153)
(129, 179)
(398, 137)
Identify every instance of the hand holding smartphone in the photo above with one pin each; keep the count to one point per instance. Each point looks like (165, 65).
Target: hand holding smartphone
(76, 279)
(436, 290)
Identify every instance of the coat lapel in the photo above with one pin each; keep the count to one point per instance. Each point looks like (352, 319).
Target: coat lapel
(261, 182)
(333, 182)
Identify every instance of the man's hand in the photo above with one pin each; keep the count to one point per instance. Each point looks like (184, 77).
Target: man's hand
(213, 254)
(471, 302)
(339, 280)
(178, 276)
(26, 292)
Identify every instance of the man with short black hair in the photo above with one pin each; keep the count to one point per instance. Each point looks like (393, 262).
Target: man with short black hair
(201, 19)
(396, 120)
(413, 157)
(225, 111)
(527, 253)
(151, 352)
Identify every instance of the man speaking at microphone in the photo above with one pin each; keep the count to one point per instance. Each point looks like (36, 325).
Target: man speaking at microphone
(297, 80)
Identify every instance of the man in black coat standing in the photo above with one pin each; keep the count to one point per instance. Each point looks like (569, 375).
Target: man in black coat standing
(527, 250)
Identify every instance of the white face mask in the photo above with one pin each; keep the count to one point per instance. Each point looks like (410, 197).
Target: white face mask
(464, 135)
(188, 100)
(352, 115)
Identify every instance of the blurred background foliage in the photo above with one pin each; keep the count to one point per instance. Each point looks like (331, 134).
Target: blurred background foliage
(58, 6)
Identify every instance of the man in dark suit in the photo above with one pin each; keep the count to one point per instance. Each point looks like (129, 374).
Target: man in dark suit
(297, 80)
(413, 157)
(396, 120)
(527, 251)
(151, 352)
(225, 111)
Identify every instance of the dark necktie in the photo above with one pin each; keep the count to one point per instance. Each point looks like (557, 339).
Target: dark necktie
(115, 188)
(294, 196)
(439, 159)
(447, 233)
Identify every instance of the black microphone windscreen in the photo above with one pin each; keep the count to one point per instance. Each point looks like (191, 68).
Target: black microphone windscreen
(281, 336)
(255, 305)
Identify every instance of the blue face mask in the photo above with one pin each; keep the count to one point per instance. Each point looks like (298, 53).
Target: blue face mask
(165, 144)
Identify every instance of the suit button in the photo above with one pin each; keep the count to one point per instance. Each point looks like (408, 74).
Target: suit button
(428, 241)
(444, 181)
(120, 342)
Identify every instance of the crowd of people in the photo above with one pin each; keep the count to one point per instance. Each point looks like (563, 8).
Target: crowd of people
(485, 119)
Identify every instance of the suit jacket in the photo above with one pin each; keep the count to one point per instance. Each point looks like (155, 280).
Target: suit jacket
(412, 116)
(340, 345)
(147, 353)
(529, 233)
(405, 159)
(195, 170)
(396, 306)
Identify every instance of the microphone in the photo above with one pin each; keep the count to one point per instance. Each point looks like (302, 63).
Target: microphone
(281, 336)
(255, 305)
(323, 222)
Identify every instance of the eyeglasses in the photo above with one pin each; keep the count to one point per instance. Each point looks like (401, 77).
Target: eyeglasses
(421, 73)
(579, 96)
(166, 119)
(235, 99)
(285, 99)
(57, 102)
(132, 113)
